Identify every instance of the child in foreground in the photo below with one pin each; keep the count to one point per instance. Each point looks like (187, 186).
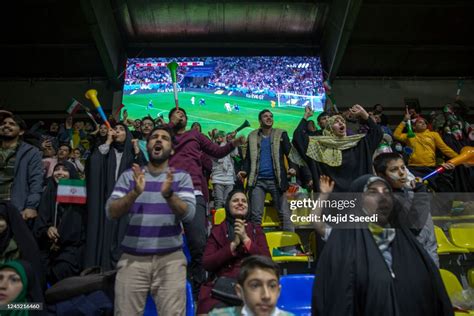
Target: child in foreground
(259, 287)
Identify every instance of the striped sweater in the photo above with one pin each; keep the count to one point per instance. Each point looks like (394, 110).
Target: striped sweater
(153, 227)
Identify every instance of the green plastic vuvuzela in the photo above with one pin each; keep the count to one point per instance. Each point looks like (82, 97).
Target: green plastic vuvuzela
(173, 66)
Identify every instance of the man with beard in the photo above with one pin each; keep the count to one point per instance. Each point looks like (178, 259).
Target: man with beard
(264, 166)
(21, 175)
(146, 127)
(157, 199)
(189, 147)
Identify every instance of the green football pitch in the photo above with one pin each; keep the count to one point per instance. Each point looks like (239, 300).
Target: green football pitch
(213, 114)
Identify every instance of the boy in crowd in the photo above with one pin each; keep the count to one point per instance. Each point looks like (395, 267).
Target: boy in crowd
(223, 174)
(412, 195)
(259, 288)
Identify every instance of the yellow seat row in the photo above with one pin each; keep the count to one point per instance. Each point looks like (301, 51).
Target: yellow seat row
(462, 236)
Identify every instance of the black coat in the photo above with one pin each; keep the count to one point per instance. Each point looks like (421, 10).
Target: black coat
(104, 236)
(356, 161)
(352, 278)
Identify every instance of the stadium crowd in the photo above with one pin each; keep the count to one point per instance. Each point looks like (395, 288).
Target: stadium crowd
(149, 180)
(257, 75)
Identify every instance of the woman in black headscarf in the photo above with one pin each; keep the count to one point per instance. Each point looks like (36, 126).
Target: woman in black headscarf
(376, 269)
(60, 229)
(104, 167)
(225, 248)
(17, 241)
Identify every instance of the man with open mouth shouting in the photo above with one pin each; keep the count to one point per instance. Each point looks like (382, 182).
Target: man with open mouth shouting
(157, 199)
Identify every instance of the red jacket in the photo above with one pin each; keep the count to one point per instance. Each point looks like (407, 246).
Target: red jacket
(219, 260)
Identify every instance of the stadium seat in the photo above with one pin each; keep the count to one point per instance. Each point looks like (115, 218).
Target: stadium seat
(470, 277)
(150, 308)
(444, 245)
(295, 295)
(270, 217)
(451, 282)
(219, 216)
(268, 198)
(452, 285)
(462, 235)
(186, 251)
(276, 240)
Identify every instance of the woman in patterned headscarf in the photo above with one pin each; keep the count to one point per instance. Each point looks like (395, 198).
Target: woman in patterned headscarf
(341, 157)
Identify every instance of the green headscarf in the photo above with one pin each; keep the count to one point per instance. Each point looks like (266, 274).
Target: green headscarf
(328, 148)
(21, 298)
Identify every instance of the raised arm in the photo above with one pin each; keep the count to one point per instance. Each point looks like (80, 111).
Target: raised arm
(215, 150)
(326, 186)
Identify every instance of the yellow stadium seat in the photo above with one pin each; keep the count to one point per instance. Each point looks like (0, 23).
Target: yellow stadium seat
(270, 217)
(470, 277)
(452, 285)
(219, 216)
(462, 235)
(444, 245)
(276, 240)
(451, 282)
(268, 198)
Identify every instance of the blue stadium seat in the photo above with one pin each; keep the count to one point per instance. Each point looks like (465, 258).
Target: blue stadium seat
(186, 251)
(296, 291)
(150, 308)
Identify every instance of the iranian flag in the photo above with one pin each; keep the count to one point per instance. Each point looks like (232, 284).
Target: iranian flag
(74, 107)
(71, 191)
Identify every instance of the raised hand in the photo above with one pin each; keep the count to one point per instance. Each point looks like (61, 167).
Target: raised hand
(239, 141)
(326, 184)
(167, 184)
(407, 115)
(110, 136)
(359, 111)
(139, 177)
(136, 148)
(308, 112)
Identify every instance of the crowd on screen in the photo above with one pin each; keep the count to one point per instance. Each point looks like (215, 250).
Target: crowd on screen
(151, 182)
(270, 75)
